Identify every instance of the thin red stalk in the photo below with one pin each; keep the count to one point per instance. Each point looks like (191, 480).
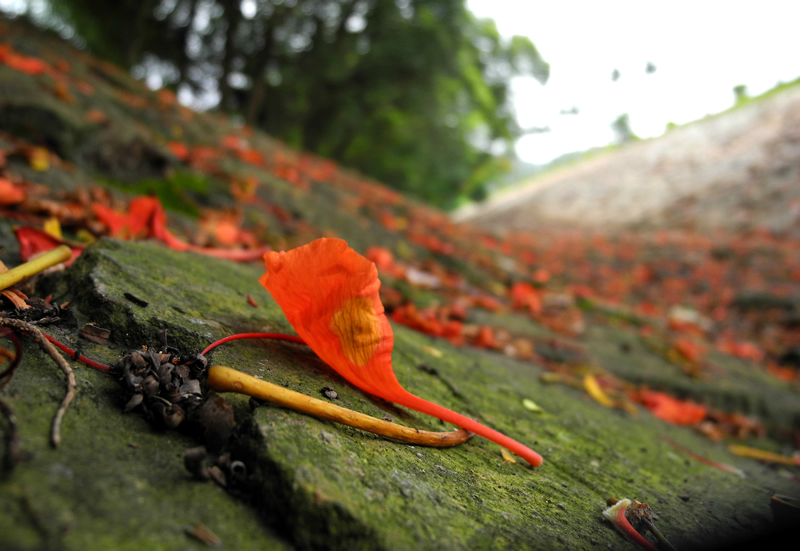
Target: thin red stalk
(419, 404)
(276, 336)
(237, 255)
(701, 459)
(78, 357)
(623, 524)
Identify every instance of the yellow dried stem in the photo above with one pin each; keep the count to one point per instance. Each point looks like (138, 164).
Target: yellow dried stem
(225, 379)
(33, 267)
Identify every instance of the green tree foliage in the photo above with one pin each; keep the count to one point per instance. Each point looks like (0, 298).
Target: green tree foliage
(622, 128)
(740, 93)
(411, 92)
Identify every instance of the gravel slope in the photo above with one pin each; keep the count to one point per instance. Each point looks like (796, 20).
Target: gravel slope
(737, 170)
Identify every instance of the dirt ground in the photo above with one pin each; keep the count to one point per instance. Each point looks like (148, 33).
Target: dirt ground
(738, 170)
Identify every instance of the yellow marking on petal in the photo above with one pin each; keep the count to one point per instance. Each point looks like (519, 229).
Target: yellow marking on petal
(357, 328)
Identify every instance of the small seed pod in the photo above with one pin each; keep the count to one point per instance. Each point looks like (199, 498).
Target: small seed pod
(150, 385)
(173, 416)
(640, 515)
(237, 471)
(135, 400)
(191, 386)
(138, 361)
(181, 371)
(165, 373)
(216, 474)
(197, 363)
(133, 382)
(194, 459)
(170, 393)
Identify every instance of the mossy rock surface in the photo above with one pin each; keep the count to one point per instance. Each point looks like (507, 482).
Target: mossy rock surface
(118, 482)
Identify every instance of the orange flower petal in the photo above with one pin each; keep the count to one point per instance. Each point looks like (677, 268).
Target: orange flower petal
(671, 410)
(10, 194)
(329, 293)
(33, 241)
(321, 287)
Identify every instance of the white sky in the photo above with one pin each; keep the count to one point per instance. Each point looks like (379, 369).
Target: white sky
(701, 49)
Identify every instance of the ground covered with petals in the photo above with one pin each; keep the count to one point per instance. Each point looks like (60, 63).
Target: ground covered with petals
(659, 365)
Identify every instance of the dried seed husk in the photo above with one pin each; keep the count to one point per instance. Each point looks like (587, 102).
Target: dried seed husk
(137, 358)
(237, 471)
(171, 393)
(150, 385)
(173, 416)
(96, 334)
(204, 535)
(216, 474)
(217, 419)
(165, 372)
(134, 402)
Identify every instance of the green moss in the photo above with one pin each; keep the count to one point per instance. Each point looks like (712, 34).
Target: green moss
(179, 192)
(325, 486)
(727, 384)
(114, 483)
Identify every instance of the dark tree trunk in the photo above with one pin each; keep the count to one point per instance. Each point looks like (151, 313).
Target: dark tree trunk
(258, 78)
(181, 38)
(233, 14)
(135, 49)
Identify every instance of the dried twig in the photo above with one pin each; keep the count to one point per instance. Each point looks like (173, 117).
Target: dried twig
(44, 344)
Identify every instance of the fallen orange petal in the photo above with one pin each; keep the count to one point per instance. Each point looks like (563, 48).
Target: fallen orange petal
(33, 241)
(669, 409)
(10, 193)
(179, 150)
(147, 218)
(329, 293)
(22, 63)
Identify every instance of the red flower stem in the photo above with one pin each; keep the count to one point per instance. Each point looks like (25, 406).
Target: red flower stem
(78, 357)
(701, 459)
(102, 367)
(416, 403)
(625, 526)
(276, 336)
(419, 404)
